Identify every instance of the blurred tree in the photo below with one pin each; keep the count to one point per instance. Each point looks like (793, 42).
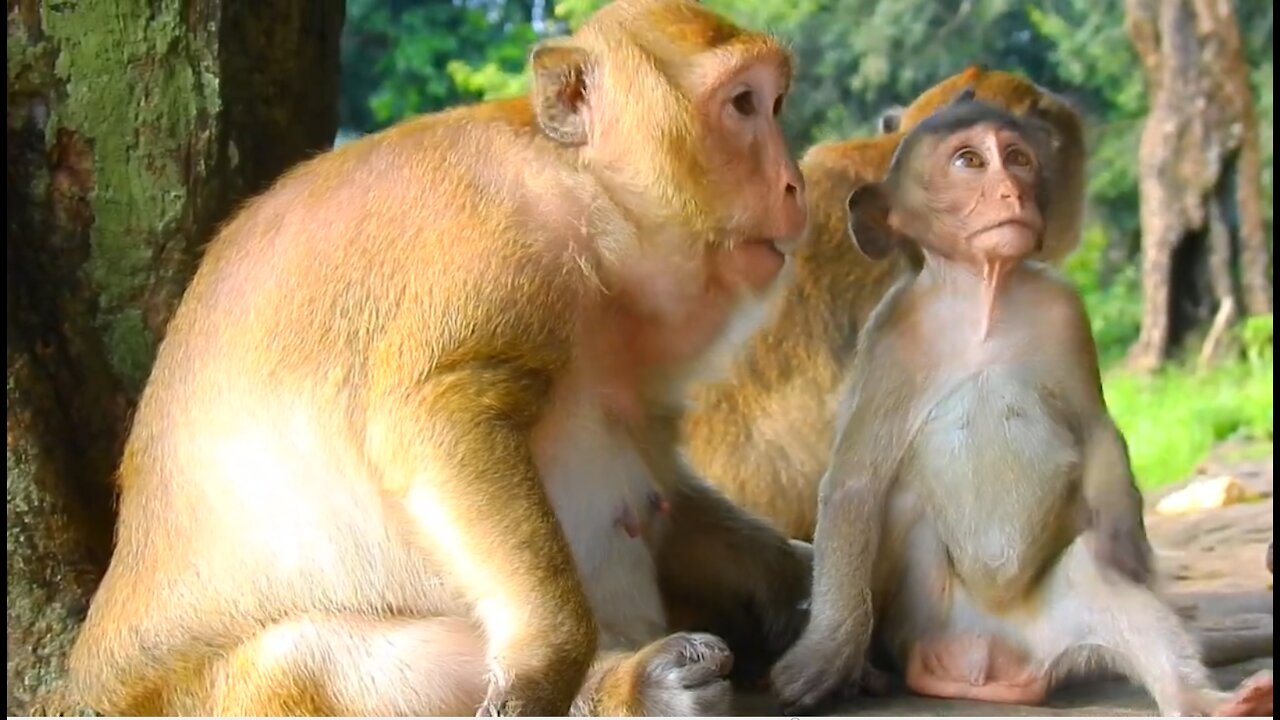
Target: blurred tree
(1257, 21)
(1204, 248)
(133, 127)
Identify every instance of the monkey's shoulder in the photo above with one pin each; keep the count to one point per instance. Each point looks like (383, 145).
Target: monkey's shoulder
(1049, 305)
(899, 303)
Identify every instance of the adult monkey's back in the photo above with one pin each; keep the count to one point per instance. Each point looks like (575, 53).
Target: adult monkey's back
(764, 437)
(409, 444)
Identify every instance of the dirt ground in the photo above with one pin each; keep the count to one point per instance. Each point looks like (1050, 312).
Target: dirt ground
(1212, 565)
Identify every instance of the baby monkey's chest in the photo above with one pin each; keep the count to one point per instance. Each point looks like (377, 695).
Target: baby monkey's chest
(997, 468)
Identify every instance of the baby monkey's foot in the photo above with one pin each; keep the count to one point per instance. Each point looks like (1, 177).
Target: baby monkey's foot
(1254, 698)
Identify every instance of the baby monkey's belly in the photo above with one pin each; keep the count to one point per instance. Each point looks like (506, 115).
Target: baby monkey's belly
(987, 500)
(1000, 480)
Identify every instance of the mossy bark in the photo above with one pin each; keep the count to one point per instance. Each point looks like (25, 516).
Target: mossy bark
(134, 126)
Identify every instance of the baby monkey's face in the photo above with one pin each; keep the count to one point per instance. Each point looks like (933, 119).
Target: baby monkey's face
(981, 184)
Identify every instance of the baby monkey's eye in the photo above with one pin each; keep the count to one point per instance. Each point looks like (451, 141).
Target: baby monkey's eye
(777, 105)
(1017, 157)
(968, 158)
(745, 103)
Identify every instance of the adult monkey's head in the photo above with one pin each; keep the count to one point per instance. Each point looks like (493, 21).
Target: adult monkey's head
(707, 95)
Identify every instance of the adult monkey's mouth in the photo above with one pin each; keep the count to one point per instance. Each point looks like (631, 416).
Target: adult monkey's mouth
(775, 245)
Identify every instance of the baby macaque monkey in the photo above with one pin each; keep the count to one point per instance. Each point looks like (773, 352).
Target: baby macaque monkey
(980, 506)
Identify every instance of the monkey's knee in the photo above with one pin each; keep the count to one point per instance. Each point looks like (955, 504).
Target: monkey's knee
(541, 673)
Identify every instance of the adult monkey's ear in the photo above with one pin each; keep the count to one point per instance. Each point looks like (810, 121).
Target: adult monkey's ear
(559, 95)
(965, 96)
(869, 224)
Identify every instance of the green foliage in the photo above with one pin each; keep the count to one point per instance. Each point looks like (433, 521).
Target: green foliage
(1257, 338)
(1115, 307)
(401, 57)
(575, 12)
(1172, 419)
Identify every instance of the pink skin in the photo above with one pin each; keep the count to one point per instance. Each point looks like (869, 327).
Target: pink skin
(1254, 698)
(974, 668)
(630, 521)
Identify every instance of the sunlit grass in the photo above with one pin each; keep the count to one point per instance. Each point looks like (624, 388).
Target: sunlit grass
(1172, 419)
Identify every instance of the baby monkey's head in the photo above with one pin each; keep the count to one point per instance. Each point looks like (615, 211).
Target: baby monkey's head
(966, 184)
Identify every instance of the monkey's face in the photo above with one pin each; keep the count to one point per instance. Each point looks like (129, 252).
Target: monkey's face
(683, 129)
(981, 185)
(760, 194)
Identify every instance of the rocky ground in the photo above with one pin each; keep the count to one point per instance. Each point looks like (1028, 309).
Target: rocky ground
(1213, 568)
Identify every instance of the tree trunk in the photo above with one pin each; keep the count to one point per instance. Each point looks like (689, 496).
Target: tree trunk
(1203, 237)
(134, 126)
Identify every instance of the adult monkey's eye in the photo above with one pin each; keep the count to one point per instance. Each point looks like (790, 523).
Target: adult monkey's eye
(1017, 157)
(745, 103)
(969, 159)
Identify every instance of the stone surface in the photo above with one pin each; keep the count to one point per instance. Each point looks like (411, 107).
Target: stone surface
(1212, 566)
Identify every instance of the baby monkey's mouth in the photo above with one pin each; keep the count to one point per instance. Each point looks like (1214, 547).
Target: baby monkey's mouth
(1012, 222)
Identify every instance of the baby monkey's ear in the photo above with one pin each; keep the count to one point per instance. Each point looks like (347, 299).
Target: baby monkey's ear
(869, 224)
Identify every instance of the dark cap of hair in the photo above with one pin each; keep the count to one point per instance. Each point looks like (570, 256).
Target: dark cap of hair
(965, 111)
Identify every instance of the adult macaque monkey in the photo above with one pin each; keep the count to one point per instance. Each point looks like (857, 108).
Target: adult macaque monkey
(409, 444)
(967, 507)
(764, 437)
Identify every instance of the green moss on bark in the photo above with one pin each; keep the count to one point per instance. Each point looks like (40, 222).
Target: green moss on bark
(141, 89)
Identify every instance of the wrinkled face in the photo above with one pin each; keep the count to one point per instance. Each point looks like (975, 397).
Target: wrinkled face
(979, 189)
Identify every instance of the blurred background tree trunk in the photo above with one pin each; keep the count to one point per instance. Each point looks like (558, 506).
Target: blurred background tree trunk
(134, 126)
(1204, 244)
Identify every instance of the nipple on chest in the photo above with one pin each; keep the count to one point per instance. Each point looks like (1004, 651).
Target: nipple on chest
(633, 517)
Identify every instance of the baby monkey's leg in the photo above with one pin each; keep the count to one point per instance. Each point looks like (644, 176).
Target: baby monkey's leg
(1095, 617)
